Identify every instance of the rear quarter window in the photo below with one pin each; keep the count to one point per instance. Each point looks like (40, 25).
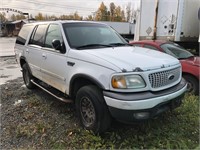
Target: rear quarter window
(23, 34)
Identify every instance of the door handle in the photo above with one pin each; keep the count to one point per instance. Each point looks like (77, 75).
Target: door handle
(44, 56)
(27, 51)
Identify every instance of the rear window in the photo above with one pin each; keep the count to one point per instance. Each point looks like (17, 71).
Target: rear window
(23, 34)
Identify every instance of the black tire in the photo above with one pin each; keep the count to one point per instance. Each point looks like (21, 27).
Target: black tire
(193, 84)
(27, 76)
(92, 109)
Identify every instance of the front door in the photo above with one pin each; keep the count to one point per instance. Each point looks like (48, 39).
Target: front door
(54, 62)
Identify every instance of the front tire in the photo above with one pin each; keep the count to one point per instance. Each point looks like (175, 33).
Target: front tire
(92, 109)
(27, 76)
(193, 84)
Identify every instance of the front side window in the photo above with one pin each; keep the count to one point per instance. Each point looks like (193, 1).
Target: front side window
(176, 51)
(38, 35)
(91, 35)
(53, 33)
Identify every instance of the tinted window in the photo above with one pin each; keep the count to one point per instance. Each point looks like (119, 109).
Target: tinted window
(38, 35)
(23, 34)
(150, 47)
(53, 32)
(80, 34)
(176, 51)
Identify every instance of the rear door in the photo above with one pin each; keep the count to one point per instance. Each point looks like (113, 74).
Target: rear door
(33, 50)
(54, 62)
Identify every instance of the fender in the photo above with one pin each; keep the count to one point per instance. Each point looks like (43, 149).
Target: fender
(88, 77)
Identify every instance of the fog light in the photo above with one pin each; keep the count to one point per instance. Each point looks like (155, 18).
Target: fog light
(141, 115)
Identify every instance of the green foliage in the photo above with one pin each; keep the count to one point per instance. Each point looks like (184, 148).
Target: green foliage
(173, 130)
(41, 122)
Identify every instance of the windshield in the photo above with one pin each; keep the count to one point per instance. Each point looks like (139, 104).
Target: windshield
(91, 35)
(176, 51)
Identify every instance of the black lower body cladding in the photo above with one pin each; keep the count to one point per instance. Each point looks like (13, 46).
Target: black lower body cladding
(130, 107)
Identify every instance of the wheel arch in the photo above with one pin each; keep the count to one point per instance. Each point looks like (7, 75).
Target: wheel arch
(189, 74)
(22, 61)
(80, 80)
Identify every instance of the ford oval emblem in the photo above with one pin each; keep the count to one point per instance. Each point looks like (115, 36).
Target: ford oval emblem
(171, 77)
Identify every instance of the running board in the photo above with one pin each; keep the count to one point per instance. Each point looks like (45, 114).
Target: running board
(54, 95)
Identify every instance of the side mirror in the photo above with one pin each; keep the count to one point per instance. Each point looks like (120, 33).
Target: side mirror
(56, 44)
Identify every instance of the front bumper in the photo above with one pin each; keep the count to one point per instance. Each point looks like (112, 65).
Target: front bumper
(127, 106)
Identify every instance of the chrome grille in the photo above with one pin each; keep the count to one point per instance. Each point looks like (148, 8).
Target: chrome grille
(163, 78)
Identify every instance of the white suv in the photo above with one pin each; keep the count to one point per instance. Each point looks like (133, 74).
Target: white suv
(94, 67)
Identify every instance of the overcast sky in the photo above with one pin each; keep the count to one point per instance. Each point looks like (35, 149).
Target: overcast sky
(59, 7)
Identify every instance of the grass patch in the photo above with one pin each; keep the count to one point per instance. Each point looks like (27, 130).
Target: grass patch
(53, 125)
(173, 130)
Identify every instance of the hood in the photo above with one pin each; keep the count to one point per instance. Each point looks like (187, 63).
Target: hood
(192, 61)
(130, 58)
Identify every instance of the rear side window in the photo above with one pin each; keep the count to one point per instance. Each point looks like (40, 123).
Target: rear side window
(23, 34)
(38, 35)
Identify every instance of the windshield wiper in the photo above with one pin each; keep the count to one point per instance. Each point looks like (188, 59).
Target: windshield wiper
(120, 44)
(92, 46)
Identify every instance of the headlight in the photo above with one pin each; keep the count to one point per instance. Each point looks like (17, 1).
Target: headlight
(127, 82)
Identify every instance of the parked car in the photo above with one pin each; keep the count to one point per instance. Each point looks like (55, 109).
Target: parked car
(190, 63)
(93, 66)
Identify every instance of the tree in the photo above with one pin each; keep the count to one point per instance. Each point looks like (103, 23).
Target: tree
(3, 17)
(64, 17)
(13, 17)
(39, 16)
(118, 14)
(123, 16)
(89, 18)
(115, 13)
(77, 17)
(52, 17)
(102, 13)
(112, 11)
(128, 12)
(20, 17)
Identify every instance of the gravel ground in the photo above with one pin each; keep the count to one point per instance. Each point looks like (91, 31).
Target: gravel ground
(31, 119)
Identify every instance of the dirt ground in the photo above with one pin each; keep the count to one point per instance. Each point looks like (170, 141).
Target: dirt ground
(33, 119)
(28, 118)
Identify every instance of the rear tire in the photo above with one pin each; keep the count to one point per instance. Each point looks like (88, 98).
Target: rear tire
(193, 84)
(92, 109)
(27, 76)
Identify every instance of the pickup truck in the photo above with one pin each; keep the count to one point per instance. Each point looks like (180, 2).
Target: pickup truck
(92, 66)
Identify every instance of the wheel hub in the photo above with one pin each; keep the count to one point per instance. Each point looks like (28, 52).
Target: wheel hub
(87, 111)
